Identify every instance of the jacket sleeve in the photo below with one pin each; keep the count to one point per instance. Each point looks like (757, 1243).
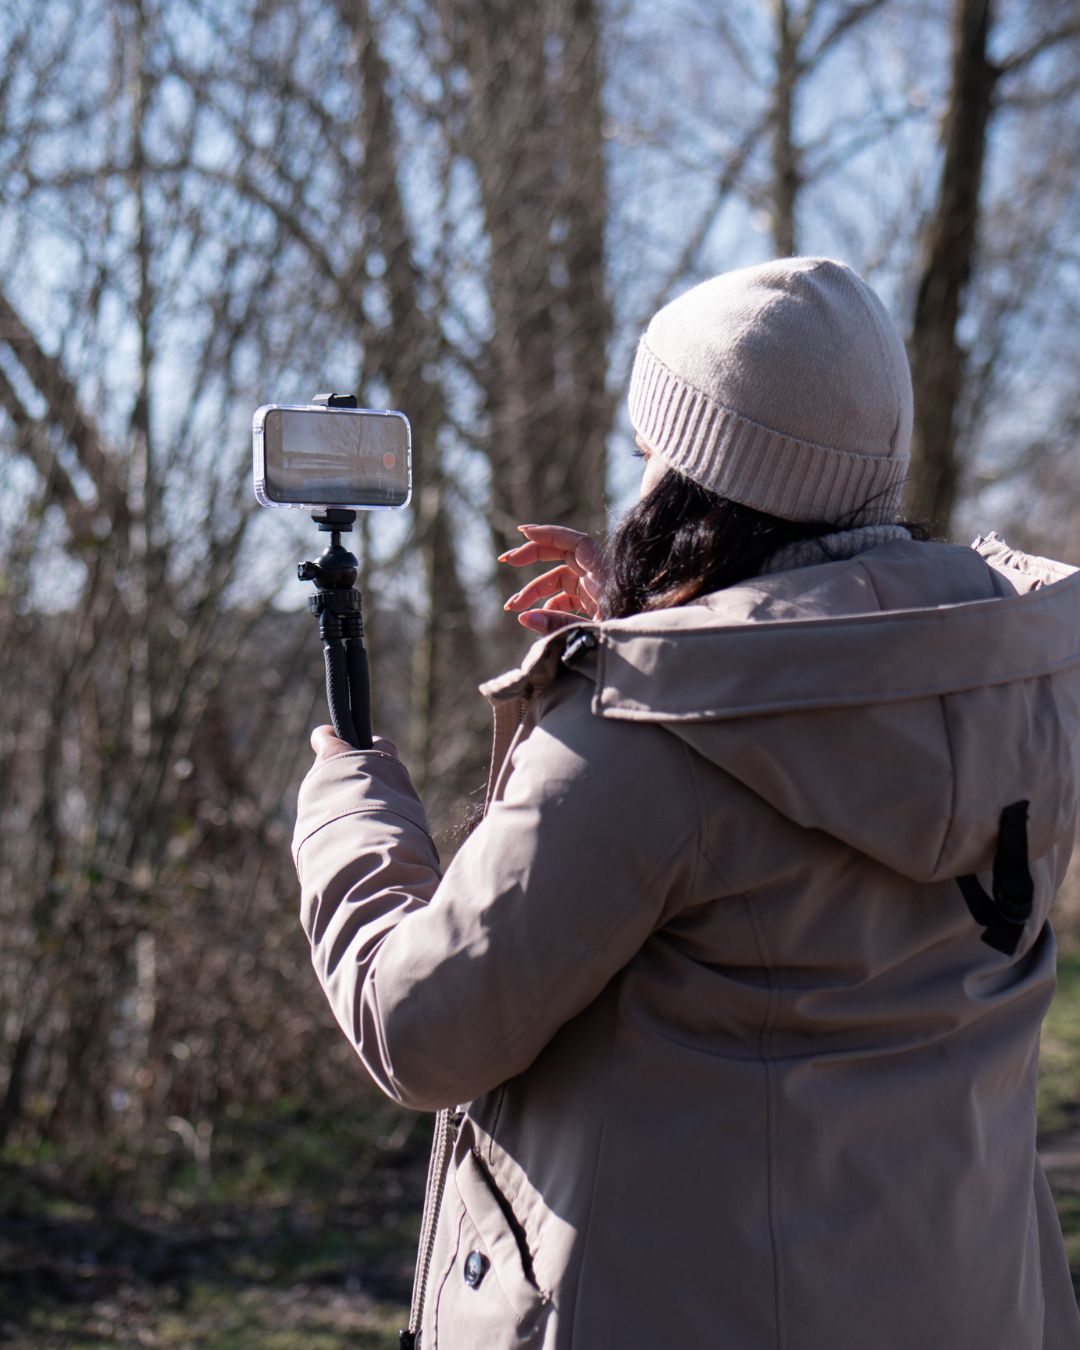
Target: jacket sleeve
(448, 989)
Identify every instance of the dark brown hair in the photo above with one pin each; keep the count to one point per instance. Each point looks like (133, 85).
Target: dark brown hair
(682, 541)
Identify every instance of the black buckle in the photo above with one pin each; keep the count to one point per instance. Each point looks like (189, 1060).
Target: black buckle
(584, 640)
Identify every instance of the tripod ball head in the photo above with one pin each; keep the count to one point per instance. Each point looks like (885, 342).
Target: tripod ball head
(336, 569)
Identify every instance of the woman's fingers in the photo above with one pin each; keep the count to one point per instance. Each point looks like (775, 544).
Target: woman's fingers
(563, 604)
(524, 555)
(546, 620)
(561, 536)
(590, 587)
(570, 589)
(589, 555)
(559, 580)
(555, 543)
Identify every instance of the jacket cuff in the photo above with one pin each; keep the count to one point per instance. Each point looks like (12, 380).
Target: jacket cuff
(362, 781)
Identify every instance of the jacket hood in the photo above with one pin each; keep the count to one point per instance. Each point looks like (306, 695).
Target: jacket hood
(898, 700)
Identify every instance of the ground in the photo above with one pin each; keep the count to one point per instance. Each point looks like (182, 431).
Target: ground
(301, 1234)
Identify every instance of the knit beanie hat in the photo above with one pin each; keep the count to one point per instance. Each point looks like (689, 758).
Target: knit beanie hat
(785, 387)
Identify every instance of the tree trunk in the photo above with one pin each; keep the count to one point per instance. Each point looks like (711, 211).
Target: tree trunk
(586, 410)
(533, 132)
(950, 254)
(785, 156)
(446, 655)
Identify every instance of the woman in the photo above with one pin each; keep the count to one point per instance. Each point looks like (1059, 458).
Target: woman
(733, 1044)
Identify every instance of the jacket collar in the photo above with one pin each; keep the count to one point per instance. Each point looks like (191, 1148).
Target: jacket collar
(818, 637)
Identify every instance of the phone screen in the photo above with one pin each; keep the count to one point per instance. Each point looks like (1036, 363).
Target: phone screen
(352, 457)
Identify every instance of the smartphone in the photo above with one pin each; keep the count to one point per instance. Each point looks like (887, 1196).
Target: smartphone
(306, 456)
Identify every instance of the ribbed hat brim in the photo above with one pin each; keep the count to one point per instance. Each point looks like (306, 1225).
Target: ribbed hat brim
(754, 464)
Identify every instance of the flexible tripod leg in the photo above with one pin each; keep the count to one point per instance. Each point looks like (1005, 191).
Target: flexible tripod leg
(337, 679)
(356, 659)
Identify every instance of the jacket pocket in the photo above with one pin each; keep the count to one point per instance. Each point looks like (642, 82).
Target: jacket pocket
(502, 1242)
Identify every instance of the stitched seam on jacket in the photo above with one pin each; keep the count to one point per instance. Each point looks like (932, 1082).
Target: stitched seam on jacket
(435, 1302)
(710, 857)
(947, 829)
(455, 1085)
(352, 754)
(869, 575)
(501, 1090)
(587, 1225)
(699, 799)
(766, 1049)
(365, 811)
(705, 847)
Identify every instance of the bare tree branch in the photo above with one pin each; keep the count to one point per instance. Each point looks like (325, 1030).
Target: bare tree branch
(848, 18)
(1045, 42)
(31, 439)
(65, 411)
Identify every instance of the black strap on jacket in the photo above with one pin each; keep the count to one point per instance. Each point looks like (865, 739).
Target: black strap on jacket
(1004, 914)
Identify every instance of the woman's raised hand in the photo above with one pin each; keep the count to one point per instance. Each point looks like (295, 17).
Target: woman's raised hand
(569, 590)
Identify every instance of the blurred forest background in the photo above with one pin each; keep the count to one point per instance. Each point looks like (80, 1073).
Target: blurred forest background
(466, 209)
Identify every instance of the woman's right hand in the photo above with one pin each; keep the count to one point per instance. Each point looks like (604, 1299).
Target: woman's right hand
(570, 590)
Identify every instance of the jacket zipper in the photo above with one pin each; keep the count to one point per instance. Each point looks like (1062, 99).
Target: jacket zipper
(446, 1123)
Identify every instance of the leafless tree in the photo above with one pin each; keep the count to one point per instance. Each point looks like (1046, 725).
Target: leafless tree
(239, 195)
(954, 380)
(464, 208)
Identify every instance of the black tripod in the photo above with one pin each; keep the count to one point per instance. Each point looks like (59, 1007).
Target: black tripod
(337, 605)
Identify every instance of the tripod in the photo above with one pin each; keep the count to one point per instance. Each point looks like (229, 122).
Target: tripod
(337, 605)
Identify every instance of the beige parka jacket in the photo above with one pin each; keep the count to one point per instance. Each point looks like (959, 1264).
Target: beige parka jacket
(725, 1060)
